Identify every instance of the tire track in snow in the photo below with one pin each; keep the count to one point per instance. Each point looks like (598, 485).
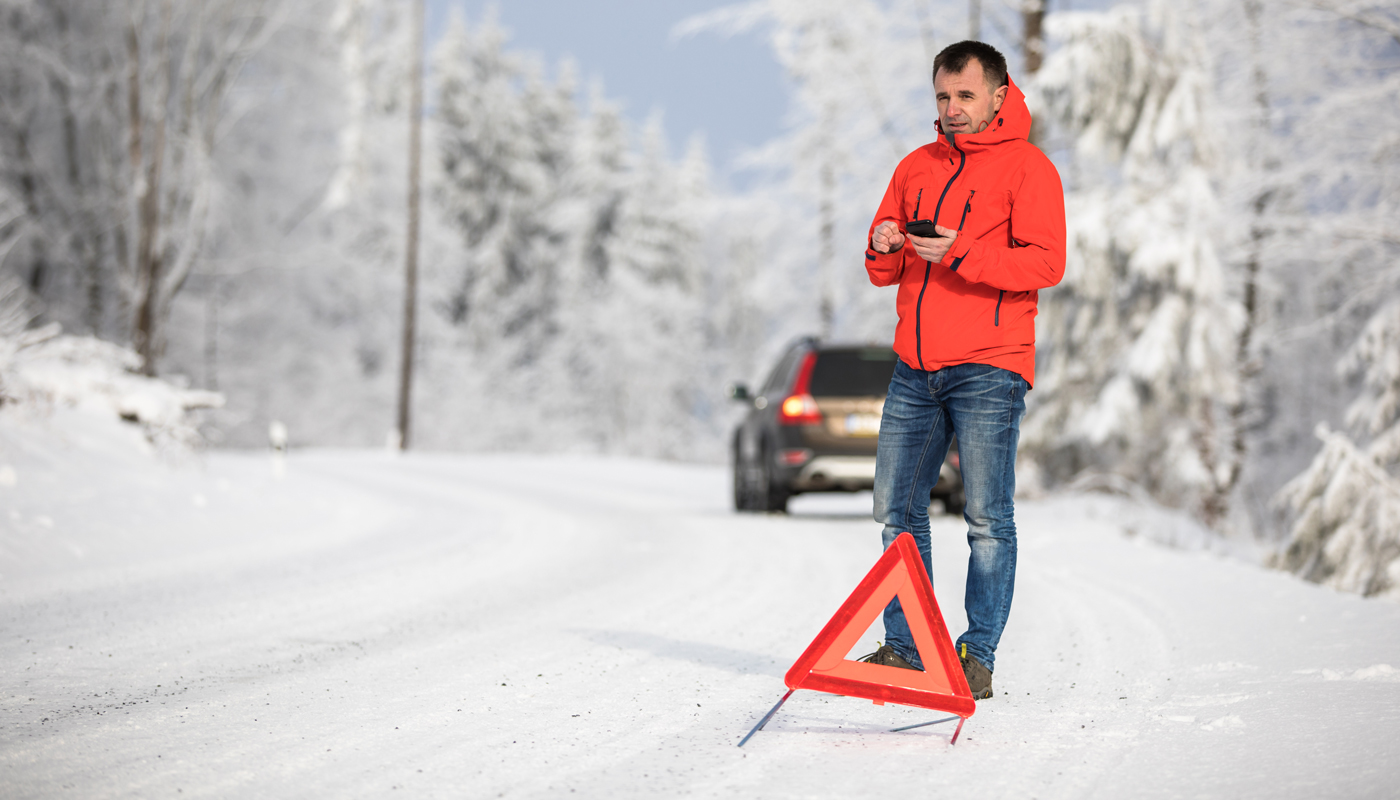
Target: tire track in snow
(1085, 665)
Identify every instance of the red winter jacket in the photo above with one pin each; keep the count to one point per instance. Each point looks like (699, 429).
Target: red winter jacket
(1004, 197)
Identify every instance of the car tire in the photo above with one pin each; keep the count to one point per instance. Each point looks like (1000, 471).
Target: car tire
(772, 494)
(744, 499)
(956, 502)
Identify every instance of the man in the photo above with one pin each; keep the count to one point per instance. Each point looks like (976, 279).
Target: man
(966, 333)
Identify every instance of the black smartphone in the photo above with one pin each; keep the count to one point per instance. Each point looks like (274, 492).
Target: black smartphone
(921, 227)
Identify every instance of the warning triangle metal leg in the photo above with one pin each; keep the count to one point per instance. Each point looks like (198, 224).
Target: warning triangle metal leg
(779, 704)
(766, 717)
(923, 724)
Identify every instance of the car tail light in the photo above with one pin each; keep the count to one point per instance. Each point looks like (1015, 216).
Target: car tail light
(794, 456)
(800, 408)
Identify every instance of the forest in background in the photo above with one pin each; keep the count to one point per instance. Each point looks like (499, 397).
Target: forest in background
(221, 187)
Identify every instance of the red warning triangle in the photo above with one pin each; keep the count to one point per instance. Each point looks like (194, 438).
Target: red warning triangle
(823, 667)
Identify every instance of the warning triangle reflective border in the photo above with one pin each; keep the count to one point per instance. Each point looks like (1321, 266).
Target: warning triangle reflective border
(823, 667)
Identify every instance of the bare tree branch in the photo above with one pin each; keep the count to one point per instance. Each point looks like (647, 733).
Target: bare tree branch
(1362, 14)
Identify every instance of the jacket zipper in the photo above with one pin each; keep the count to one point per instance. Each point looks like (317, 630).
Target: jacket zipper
(996, 318)
(928, 265)
(966, 209)
(919, 317)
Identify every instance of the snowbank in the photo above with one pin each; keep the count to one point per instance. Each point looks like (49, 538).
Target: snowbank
(42, 370)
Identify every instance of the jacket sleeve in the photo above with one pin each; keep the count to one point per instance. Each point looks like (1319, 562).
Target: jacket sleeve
(1037, 258)
(885, 269)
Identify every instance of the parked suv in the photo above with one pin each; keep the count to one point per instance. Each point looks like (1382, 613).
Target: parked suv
(813, 427)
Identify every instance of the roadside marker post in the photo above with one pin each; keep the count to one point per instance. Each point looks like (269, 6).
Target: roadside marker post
(823, 666)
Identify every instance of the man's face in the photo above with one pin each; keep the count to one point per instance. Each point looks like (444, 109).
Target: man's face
(966, 104)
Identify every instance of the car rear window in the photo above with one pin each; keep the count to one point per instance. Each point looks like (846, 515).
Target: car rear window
(779, 377)
(861, 372)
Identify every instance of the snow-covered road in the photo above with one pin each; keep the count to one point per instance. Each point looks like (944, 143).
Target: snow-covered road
(351, 623)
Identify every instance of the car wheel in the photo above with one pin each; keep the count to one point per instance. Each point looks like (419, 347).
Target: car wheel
(956, 502)
(743, 483)
(771, 492)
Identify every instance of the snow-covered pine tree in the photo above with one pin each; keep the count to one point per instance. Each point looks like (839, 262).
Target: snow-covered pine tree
(1137, 348)
(489, 184)
(650, 351)
(589, 207)
(506, 140)
(1346, 533)
(1345, 529)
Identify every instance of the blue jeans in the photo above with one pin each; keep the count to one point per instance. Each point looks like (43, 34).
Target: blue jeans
(983, 406)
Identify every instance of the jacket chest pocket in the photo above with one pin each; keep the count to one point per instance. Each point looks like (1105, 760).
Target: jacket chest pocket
(976, 209)
(965, 208)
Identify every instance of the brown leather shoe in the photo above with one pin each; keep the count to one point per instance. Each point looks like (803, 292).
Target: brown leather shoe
(979, 678)
(886, 656)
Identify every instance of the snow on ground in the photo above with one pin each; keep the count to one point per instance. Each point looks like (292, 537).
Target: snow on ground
(352, 623)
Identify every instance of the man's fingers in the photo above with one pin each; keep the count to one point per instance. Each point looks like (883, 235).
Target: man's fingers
(948, 232)
(933, 248)
(887, 237)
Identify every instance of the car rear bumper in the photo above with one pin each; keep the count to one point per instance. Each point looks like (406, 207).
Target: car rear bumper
(853, 474)
(836, 473)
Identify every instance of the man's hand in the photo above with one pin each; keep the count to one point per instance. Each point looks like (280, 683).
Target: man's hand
(933, 248)
(887, 237)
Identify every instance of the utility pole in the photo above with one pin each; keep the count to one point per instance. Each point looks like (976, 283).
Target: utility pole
(415, 157)
(827, 254)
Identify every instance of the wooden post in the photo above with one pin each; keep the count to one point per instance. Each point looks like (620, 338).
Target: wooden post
(827, 255)
(148, 211)
(415, 157)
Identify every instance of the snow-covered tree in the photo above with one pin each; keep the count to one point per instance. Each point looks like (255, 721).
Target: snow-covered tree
(1345, 505)
(64, 172)
(504, 142)
(1346, 532)
(499, 144)
(1137, 348)
(651, 349)
(111, 125)
(582, 275)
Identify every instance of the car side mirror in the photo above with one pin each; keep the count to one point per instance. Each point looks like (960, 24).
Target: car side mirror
(740, 392)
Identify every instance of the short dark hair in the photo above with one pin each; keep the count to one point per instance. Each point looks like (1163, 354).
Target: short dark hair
(954, 58)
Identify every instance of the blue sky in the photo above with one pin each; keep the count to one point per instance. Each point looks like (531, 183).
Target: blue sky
(729, 89)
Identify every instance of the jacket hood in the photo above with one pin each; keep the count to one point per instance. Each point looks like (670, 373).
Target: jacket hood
(1013, 121)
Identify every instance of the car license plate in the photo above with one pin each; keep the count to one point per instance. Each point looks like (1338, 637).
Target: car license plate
(862, 424)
